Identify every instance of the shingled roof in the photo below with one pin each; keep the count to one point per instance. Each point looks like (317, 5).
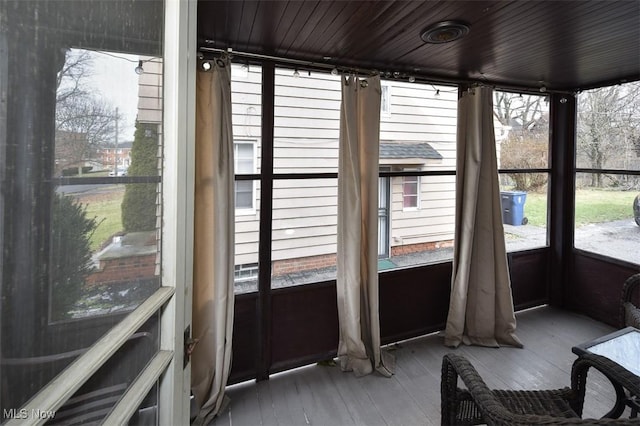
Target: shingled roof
(399, 150)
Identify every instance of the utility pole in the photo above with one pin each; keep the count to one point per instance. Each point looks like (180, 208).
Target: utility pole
(115, 151)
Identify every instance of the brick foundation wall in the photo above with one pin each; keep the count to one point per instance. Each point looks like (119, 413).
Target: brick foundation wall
(415, 248)
(288, 266)
(124, 269)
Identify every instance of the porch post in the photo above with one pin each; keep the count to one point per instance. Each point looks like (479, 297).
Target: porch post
(561, 194)
(263, 353)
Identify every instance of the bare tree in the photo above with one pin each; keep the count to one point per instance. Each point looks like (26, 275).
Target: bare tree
(76, 69)
(526, 143)
(608, 128)
(84, 122)
(526, 110)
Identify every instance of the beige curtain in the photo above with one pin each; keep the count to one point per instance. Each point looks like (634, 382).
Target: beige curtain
(481, 307)
(213, 269)
(357, 265)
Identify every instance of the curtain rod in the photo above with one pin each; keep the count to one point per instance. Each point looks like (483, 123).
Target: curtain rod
(389, 75)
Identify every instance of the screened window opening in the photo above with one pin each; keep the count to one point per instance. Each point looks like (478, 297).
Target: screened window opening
(304, 242)
(247, 229)
(607, 219)
(521, 124)
(418, 165)
(104, 233)
(82, 166)
(416, 211)
(246, 98)
(607, 210)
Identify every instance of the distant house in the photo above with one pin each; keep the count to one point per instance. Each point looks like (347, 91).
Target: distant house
(417, 132)
(116, 156)
(150, 92)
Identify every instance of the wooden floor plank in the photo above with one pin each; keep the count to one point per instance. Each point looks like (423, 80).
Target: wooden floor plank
(322, 403)
(265, 404)
(324, 395)
(361, 406)
(287, 401)
(395, 405)
(422, 386)
(243, 406)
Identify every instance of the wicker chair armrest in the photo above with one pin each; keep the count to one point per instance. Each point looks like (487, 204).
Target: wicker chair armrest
(631, 315)
(620, 377)
(454, 366)
(490, 409)
(487, 408)
(631, 285)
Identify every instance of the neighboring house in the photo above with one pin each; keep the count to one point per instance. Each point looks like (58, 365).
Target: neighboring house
(150, 92)
(417, 132)
(120, 156)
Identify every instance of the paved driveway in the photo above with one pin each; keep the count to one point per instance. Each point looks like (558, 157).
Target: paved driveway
(619, 239)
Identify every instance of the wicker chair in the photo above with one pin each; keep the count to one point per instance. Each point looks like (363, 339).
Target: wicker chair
(477, 404)
(630, 313)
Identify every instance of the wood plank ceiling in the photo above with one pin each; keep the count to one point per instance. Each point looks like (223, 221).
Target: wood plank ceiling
(562, 45)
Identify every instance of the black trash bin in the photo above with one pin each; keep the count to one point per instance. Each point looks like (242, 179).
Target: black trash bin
(513, 207)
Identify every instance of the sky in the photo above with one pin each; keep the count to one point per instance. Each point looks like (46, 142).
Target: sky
(113, 78)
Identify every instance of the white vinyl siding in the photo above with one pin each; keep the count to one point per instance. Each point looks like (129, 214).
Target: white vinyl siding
(419, 116)
(306, 132)
(306, 123)
(304, 218)
(434, 221)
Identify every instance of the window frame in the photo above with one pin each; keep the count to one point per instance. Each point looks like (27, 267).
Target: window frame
(385, 101)
(531, 170)
(418, 184)
(243, 211)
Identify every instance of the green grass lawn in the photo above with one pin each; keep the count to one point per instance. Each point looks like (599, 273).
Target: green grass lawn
(592, 206)
(535, 208)
(107, 212)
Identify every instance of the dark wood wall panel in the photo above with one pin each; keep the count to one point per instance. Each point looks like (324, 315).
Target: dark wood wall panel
(596, 287)
(414, 301)
(245, 338)
(304, 325)
(529, 278)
